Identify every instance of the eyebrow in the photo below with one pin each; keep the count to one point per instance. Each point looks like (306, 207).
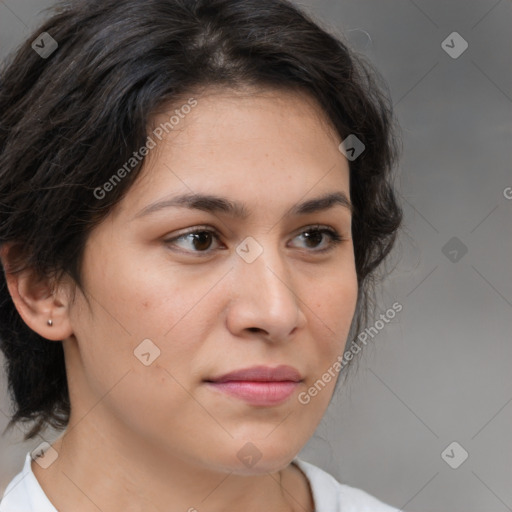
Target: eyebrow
(216, 204)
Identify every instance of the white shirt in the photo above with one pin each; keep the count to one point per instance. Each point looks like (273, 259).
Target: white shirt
(24, 494)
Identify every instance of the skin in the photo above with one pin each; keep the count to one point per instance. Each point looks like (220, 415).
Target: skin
(157, 438)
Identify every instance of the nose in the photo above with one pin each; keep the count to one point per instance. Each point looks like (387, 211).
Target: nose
(264, 298)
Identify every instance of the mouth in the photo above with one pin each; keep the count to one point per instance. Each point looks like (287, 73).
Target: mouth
(257, 392)
(259, 385)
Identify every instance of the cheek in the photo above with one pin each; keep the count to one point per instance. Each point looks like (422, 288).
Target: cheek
(156, 405)
(334, 300)
(129, 327)
(329, 306)
(140, 375)
(146, 297)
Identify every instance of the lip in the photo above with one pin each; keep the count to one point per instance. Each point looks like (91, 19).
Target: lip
(261, 374)
(259, 385)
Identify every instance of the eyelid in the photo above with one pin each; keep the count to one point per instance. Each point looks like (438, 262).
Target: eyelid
(336, 237)
(196, 229)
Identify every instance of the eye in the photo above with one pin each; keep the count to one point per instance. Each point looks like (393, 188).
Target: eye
(198, 240)
(201, 239)
(315, 235)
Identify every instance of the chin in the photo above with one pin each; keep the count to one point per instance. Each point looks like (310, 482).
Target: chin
(253, 458)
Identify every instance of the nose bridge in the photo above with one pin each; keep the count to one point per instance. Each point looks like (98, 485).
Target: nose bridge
(263, 265)
(265, 287)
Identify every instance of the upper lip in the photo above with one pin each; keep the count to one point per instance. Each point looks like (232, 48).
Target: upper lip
(261, 374)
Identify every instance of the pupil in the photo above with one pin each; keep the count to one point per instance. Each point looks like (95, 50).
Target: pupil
(315, 237)
(202, 241)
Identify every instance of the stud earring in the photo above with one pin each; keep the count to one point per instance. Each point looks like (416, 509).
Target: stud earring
(50, 322)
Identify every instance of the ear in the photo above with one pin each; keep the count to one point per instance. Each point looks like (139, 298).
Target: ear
(37, 299)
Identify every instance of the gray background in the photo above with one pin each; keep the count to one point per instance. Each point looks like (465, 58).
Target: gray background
(440, 371)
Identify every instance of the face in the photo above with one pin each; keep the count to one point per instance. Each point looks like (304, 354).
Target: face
(170, 310)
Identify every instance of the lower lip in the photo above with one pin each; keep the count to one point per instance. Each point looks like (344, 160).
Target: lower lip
(258, 393)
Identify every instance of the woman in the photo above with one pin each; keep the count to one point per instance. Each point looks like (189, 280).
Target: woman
(196, 196)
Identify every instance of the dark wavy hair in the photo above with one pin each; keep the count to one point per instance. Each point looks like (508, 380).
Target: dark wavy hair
(69, 119)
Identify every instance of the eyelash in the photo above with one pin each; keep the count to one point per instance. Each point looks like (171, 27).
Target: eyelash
(333, 234)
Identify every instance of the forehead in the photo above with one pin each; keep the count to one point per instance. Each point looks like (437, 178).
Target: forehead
(247, 98)
(235, 142)
(221, 116)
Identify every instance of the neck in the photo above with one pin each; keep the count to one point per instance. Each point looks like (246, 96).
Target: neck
(99, 467)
